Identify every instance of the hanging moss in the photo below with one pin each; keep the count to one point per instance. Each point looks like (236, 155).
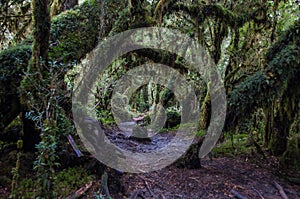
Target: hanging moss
(137, 14)
(205, 111)
(59, 6)
(73, 34)
(200, 12)
(275, 88)
(283, 61)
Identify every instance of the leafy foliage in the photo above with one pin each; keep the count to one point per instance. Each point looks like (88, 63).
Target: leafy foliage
(15, 20)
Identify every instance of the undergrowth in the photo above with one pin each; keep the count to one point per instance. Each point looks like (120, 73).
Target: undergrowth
(65, 183)
(236, 144)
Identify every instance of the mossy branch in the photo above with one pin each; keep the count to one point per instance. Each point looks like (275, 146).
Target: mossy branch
(201, 11)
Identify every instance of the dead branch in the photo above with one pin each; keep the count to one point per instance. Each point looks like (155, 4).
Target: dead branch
(147, 187)
(281, 191)
(238, 195)
(81, 191)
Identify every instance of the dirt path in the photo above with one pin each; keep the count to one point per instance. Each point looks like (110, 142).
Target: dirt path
(215, 180)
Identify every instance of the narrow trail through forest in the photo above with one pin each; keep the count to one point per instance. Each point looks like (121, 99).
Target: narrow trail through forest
(215, 180)
(218, 178)
(249, 175)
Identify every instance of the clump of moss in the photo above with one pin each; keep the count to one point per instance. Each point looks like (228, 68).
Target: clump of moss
(233, 146)
(291, 156)
(74, 32)
(66, 182)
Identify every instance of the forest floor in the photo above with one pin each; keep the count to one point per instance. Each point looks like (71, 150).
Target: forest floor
(215, 180)
(249, 175)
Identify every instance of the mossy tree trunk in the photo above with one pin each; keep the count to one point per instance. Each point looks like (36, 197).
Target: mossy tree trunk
(36, 70)
(73, 35)
(291, 156)
(281, 116)
(41, 33)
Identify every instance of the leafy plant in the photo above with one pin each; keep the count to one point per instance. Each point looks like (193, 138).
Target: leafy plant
(45, 163)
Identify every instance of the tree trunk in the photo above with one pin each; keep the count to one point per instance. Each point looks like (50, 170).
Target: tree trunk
(281, 117)
(36, 70)
(41, 33)
(66, 46)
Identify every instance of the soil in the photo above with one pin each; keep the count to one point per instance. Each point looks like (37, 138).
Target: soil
(249, 175)
(216, 179)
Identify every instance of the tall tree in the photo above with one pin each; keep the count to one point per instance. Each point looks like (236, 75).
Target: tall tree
(36, 72)
(41, 33)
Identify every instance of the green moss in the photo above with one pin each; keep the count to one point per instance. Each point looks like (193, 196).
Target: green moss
(66, 182)
(233, 146)
(12, 61)
(291, 156)
(200, 133)
(74, 33)
(283, 61)
(70, 180)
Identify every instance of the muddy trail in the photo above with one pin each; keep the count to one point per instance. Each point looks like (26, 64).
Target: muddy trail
(246, 176)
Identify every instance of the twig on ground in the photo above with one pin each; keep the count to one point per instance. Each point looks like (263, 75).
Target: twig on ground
(148, 188)
(281, 191)
(162, 196)
(238, 195)
(81, 191)
(261, 196)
